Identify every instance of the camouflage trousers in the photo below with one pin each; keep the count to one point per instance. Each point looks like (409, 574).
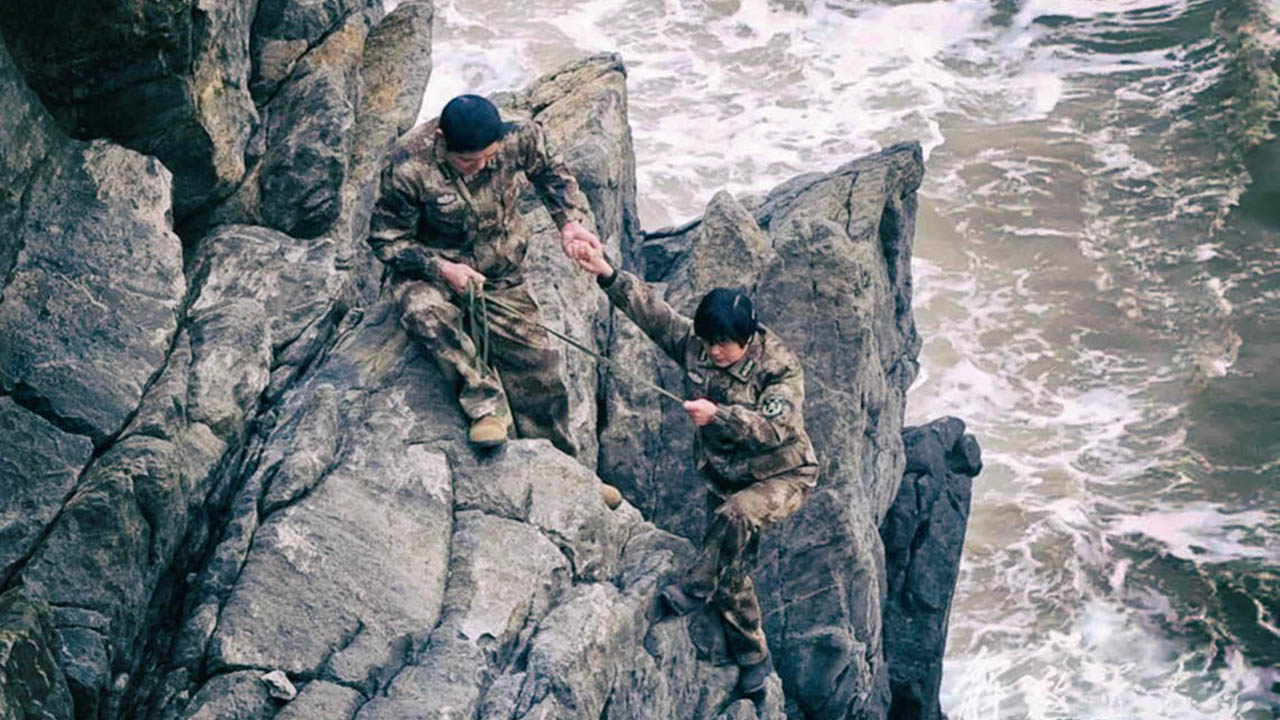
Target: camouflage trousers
(526, 375)
(719, 574)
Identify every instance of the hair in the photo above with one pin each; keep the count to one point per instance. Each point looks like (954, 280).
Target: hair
(725, 315)
(470, 123)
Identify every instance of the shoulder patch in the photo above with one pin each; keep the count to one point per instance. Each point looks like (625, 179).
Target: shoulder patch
(773, 406)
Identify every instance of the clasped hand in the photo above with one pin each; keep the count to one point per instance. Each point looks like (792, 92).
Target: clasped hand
(575, 239)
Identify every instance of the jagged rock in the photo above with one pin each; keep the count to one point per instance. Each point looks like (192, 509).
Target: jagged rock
(393, 74)
(285, 30)
(829, 280)
(504, 576)
(169, 79)
(27, 135)
(576, 652)
(531, 482)
(300, 154)
(31, 682)
(278, 685)
(923, 535)
(584, 109)
(41, 466)
(293, 491)
(92, 303)
(289, 286)
(311, 586)
(308, 135)
(444, 686)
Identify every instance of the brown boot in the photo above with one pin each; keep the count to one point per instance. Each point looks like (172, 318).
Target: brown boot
(751, 678)
(611, 496)
(488, 432)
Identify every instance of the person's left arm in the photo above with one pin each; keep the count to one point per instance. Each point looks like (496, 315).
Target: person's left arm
(556, 186)
(777, 419)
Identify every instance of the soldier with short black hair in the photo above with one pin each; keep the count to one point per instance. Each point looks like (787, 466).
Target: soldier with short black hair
(447, 217)
(748, 406)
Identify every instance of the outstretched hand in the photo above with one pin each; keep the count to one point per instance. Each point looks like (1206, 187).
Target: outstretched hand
(592, 260)
(574, 237)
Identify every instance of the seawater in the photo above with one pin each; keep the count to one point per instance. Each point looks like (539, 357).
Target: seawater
(1097, 287)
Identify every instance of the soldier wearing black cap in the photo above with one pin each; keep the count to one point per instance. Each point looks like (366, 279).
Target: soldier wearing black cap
(448, 215)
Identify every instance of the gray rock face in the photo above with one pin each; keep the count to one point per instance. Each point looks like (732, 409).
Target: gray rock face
(393, 74)
(923, 534)
(92, 302)
(167, 78)
(285, 30)
(27, 135)
(43, 468)
(249, 470)
(31, 683)
(308, 135)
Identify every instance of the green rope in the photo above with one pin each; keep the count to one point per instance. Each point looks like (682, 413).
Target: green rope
(474, 323)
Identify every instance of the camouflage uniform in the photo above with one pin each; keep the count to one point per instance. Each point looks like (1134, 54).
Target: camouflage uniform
(756, 453)
(428, 211)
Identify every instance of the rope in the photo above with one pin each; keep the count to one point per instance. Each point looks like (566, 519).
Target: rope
(610, 363)
(474, 323)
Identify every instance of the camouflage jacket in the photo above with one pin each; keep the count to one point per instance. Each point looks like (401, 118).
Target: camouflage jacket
(426, 210)
(759, 432)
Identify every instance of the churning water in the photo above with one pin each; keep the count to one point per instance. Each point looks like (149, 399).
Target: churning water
(1097, 280)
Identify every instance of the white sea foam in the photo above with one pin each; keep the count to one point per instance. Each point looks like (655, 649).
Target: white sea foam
(1203, 533)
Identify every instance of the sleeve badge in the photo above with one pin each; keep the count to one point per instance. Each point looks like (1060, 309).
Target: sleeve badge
(773, 406)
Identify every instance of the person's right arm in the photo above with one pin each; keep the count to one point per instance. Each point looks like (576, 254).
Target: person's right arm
(666, 327)
(393, 234)
(394, 226)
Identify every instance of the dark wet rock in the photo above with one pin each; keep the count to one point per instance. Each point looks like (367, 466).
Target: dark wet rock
(168, 78)
(923, 535)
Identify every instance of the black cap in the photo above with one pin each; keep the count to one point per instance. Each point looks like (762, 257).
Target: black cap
(470, 123)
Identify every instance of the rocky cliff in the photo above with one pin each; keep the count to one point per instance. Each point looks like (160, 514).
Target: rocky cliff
(230, 486)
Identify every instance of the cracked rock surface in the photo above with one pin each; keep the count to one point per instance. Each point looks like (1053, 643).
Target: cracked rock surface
(232, 487)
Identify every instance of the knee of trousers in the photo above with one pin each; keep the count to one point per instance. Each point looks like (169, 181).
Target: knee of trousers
(424, 309)
(732, 512)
